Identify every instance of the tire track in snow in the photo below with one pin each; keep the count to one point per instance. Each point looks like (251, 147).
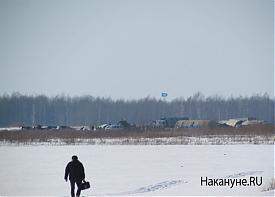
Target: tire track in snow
(146, 189)
(158, 186)
(242, 174)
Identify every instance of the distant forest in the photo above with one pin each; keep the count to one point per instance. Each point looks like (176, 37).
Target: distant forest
(17, 109)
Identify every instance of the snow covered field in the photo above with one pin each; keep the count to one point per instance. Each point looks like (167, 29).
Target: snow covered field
(136, 170)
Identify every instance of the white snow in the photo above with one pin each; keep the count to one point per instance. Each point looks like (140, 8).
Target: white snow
(181, 140)
(135, 169)
(10, 128)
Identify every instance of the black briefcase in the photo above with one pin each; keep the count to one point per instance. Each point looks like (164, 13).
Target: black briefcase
(85, 185)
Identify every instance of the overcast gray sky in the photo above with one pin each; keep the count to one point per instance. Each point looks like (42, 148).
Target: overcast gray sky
(132, 49)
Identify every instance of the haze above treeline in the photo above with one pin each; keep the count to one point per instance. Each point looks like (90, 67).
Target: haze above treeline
(17, 109)
(131, 49)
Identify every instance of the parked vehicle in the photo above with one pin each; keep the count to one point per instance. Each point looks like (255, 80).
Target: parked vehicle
(113, 127)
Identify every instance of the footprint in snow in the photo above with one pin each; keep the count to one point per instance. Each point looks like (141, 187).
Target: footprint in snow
(242, 174)
(149, 188)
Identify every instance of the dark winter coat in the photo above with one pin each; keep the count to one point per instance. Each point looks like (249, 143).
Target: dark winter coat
(75, 170)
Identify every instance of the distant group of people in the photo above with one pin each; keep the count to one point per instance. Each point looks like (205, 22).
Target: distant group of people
(76, 173)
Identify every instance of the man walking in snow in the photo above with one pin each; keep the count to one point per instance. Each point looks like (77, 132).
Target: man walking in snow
(75, 171)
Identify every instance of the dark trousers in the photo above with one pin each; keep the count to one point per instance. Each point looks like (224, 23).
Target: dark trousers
(78, 183)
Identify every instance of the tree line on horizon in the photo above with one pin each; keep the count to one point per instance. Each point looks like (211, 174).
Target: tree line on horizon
(17, 109)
